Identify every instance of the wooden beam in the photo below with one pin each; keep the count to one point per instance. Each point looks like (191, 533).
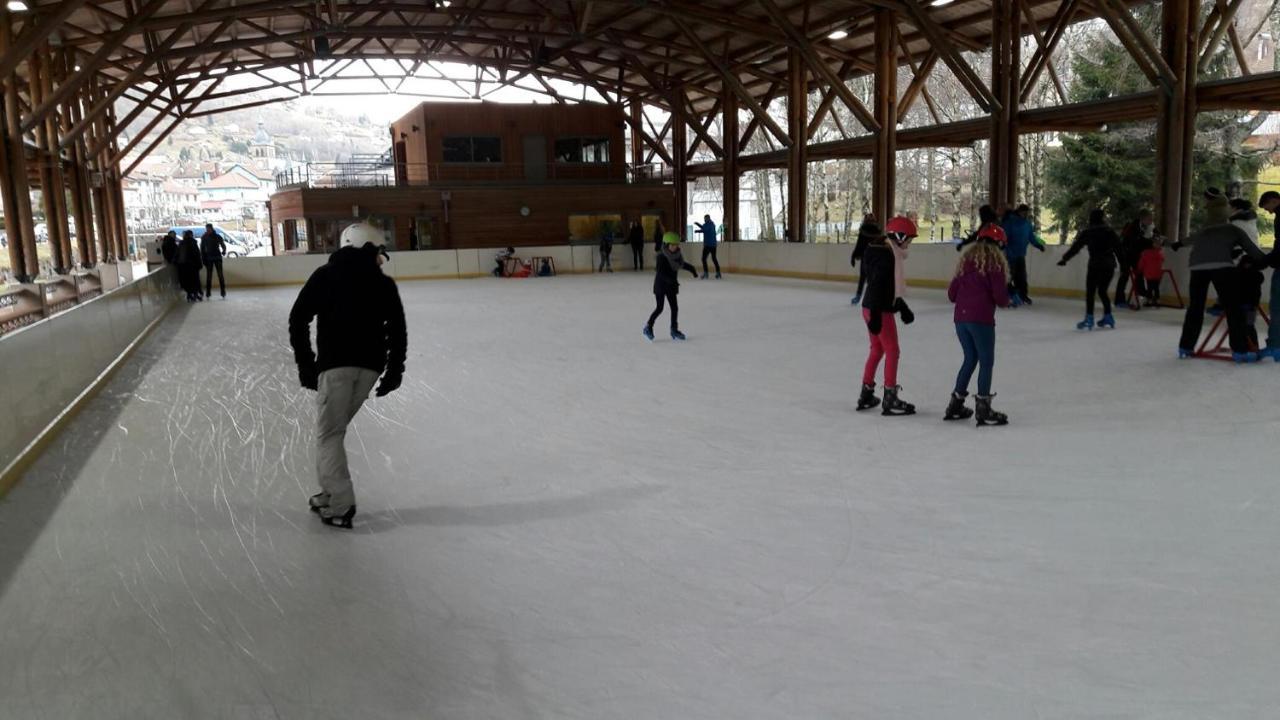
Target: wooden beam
(963, 72)
(20, 226)
(734, 83)
(730, 178)
(1046, 44)
(1226, 19)
(919, 79)
(819, 66)
(73, 83)
(884, 157)
(34, 35)
(798, 159)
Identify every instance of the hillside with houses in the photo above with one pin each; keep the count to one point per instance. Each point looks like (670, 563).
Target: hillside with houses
(222, 168)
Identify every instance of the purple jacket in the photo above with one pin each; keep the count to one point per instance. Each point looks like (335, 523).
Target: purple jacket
(977, 294)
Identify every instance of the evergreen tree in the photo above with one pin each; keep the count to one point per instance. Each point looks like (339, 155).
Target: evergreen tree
(1115, 169)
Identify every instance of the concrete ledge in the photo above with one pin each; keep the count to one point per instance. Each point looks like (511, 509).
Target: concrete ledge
(56, 385)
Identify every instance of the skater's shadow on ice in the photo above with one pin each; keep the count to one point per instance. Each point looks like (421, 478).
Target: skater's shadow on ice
(497, 514)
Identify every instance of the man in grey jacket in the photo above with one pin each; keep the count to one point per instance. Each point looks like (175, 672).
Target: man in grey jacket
(1212, 263)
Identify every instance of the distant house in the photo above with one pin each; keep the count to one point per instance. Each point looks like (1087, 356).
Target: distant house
(231, 193)
(180, 200)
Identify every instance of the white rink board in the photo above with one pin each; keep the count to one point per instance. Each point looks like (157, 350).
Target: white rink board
(560, 520)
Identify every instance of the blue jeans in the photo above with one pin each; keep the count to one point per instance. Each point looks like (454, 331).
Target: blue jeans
(978, 341)
(1273, 330)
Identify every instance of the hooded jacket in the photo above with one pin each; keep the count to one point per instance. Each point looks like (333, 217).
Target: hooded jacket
(1213, 247)
(1020, 235)
(359, 317)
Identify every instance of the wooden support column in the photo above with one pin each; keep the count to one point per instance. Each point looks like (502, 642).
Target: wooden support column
(20, 227)
(1175, 128)
(798, 156)
(884, 158)
(680, 153)
(1006, 27)
(79, 181)
(730, 179)
(60, 220)
(48, 161)
(636, 108)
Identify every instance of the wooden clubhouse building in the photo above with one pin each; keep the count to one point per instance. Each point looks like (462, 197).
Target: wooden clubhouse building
(471, 175)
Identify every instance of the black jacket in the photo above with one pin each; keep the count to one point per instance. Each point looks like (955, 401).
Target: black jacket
(169, 249)
(1103, 245)
(635, 236)
(666, 278)
(877, 265)
(212, 246)
(360, 321)
(860, 246)
(188, 253)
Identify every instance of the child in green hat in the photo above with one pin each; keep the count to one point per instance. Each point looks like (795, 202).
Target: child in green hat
(666, 284)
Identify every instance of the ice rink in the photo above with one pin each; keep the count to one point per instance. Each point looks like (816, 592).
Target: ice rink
(561, 520)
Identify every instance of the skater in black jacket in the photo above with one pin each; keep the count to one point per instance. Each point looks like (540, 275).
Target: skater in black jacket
(360, 336)
(1104, 253)
(666, 284)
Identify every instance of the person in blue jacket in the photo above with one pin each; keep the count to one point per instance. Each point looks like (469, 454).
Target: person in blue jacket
(708, 230)
(1021, 235)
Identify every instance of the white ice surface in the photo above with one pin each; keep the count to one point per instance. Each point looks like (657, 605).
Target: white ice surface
(560, 520)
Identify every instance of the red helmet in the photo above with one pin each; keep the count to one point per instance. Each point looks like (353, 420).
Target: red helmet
(901, 225)
(994, 233)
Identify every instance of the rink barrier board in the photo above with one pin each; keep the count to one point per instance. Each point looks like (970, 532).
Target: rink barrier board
(155, 295)
(929, 265)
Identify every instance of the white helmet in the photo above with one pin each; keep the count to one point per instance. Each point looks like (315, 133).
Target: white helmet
(360, 233)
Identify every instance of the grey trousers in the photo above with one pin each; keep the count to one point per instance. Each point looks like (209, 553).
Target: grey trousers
(342, 391)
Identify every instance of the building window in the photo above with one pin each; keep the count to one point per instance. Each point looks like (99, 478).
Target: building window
(468, 149)
(582, 150)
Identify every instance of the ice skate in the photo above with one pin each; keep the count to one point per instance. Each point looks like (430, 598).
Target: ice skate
(1122, 303)
(705, 275)
(718, 275)
(1107, 321)
(648, 332)
(1086, 324)
(956, 409)
(339, 521)
(893, 405)
(1244, 357)
(867, 399)
(677, 335)
(1026, 301)
(1015, 301)
(317, 501)
(987, 416)
(1184, 353)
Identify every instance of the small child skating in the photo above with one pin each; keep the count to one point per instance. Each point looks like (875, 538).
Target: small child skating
(666, 284)
(1104, 253)
(980, 286)
(1151, 271)
(883, 262)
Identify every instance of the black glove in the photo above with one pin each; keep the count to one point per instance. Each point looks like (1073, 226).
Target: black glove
(1062, 263)
(308, 376)
(908, 317)
(874, 323)
(390, 382)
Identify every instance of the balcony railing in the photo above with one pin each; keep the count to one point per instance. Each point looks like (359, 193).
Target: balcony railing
(362, 175)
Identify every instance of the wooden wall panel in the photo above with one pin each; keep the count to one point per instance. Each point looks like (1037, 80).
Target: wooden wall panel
(512, 123)
(481, 216)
